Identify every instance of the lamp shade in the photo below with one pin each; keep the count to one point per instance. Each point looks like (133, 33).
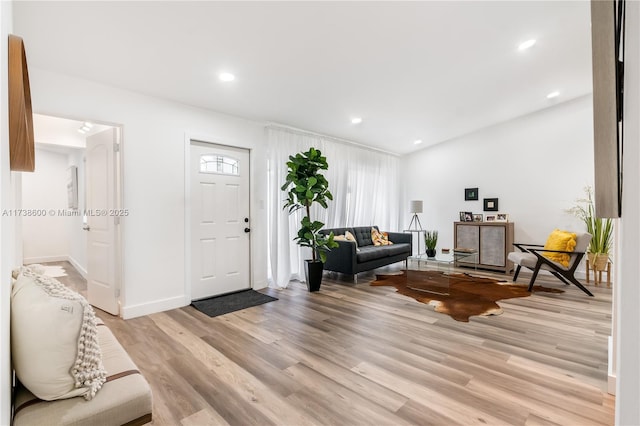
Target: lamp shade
(415, 206)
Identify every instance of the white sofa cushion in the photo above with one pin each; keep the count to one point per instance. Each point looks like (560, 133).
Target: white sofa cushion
(54, 345)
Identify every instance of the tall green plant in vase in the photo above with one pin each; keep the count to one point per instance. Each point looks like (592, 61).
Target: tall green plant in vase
(430, 242)
(601, 230)
(306, 185)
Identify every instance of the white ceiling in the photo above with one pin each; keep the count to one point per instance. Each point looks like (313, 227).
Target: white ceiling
(48, 131)
(411, 70)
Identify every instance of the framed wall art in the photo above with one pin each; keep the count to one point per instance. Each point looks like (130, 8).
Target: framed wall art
(490, 204)
(72, 187)
(470, 194)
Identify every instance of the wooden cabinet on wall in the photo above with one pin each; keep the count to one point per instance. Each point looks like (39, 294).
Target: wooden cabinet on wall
(492, 240)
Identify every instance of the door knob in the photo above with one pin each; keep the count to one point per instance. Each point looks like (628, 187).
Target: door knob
(86, 228)
(247, 230)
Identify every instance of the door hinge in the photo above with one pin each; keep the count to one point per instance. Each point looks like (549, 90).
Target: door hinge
(116, 147)
(116, 220)
(117, 292)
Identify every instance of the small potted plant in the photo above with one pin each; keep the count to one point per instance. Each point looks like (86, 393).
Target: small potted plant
(430, 241)
(306, 185)
(600, 229)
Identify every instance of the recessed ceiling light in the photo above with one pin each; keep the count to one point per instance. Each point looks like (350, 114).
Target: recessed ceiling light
(417, 142)
(553, 95)
(356, 120)
(82, 131)
(526, 44)
(87, 124)
(226, 76)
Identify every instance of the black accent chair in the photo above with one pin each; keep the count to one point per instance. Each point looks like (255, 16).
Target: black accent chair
(530, 256)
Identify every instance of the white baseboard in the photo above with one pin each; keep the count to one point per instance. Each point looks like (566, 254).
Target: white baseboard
(260, 284)
(64, 258)
(611, 385)
(44, 259)
(611, 376)
(142, 309)
(78, 267)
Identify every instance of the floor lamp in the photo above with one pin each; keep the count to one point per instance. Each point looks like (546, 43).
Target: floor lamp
(415, 207)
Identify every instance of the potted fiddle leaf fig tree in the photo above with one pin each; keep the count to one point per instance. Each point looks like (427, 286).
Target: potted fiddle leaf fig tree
(306, 185)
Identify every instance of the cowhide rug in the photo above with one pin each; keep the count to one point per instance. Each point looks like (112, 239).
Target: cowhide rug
(458, 295)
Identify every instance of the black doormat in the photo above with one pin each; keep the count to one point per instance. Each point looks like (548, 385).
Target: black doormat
(220, 305)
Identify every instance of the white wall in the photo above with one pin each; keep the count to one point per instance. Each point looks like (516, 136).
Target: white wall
(8, 253)
(46, 237)
(54, 237)
(536, 165)
(627, 286)
(153, 159)
(77, 253)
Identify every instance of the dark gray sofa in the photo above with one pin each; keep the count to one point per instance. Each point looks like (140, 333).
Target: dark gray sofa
(347, 260)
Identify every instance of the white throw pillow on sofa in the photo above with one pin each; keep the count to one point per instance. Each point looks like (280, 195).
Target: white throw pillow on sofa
(349, 236)
(54, 344)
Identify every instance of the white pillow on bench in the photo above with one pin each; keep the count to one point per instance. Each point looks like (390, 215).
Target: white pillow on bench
(54, 344)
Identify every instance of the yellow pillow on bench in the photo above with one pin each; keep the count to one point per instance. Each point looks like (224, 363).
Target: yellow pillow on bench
(563, 241)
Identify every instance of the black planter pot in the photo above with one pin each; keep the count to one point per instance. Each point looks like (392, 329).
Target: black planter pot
(313, 274)
(431, 252)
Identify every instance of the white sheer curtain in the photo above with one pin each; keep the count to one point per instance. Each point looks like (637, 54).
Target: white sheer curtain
(366, 191)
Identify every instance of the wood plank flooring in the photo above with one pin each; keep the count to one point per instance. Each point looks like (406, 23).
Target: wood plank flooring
(353, 354)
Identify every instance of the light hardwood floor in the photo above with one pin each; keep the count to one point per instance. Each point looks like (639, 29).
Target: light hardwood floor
(362, 355)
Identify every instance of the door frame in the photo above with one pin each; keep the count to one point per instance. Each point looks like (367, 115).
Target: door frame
(210, 140)
(120, 223)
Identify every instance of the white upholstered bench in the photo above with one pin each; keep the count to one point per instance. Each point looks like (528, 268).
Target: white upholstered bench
(125, 399)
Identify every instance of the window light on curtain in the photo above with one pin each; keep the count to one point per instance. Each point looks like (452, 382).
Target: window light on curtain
(364, 184)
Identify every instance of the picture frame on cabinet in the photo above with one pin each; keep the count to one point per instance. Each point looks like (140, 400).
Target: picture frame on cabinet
(502, 217)
(477, 217)
(466, 217)
(490, 218)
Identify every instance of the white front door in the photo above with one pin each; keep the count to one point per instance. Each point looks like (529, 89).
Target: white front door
(101, 202)
(220, 243)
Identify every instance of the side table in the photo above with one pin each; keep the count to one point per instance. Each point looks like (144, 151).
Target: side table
(446, 264)
(418, 231)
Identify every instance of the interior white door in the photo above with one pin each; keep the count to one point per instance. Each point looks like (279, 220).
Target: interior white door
(220, 243)
(101, 202)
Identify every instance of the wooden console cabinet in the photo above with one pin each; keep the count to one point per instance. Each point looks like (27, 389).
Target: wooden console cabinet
(492, 240)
